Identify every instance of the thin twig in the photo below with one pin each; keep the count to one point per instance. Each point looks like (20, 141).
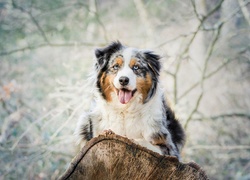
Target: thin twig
(39, 28)
(66, 122)
(210, 50)
(173, 39)
(43, 34)
(48, 45)
(194, 110)
(213, 10)
(206, 77)
(169, 73)
(179, 62)
(208, 56)
(217, 147)
(100, 22)
(29, 128)
(195, 10)
(33, 20)
(220, 67)
(143, 14)
(245, 11)
(228, 115)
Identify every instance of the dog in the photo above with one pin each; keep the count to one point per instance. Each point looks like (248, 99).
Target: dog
(130, 102)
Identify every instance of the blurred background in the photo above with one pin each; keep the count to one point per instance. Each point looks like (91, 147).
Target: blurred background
(46, 54)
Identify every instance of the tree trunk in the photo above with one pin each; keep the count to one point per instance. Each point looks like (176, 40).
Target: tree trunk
(115, 157)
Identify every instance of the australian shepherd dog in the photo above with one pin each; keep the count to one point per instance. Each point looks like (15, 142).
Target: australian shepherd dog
(130, 102)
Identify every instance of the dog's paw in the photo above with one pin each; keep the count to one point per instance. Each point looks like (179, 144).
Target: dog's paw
(166, 145)
(107, 132)
(170, 150)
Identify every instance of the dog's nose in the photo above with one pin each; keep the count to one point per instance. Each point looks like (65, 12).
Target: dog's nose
(124, 80)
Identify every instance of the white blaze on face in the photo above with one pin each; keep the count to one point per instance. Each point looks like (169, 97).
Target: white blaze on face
(126, 71)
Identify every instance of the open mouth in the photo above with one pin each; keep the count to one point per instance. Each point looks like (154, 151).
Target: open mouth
(125, 95)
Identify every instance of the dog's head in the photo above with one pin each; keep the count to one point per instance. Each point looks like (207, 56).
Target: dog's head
(124, 72)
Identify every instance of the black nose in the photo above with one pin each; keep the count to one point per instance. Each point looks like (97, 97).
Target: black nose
(124, 80)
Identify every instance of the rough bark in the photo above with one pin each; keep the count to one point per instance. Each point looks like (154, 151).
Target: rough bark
(115, 157)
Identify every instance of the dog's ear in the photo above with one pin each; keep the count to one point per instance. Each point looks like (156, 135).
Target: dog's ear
(153, 61)
(99, 54)
(103, 54)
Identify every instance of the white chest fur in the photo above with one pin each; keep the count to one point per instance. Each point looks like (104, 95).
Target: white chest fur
(134, 120)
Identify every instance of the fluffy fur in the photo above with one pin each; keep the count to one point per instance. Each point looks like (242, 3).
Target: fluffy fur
(130, 102)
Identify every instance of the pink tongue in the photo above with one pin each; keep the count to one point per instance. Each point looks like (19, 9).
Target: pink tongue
(124, 96)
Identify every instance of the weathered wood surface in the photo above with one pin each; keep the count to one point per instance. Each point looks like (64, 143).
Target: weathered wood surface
(114, 157)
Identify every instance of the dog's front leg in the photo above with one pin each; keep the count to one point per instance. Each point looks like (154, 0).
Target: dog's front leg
(164, 141)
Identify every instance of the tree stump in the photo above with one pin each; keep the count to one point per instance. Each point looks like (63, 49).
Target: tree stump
(115, 157)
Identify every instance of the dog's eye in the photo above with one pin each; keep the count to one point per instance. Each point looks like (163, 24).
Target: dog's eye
(116, 67)
(135, 67)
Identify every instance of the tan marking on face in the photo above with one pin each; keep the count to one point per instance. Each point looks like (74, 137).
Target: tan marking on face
(132, 63)
(144, 85)
(107, 85)
(118, 61)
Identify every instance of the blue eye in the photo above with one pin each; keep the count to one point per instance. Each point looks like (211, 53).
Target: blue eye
(135, 67)
(116, 67)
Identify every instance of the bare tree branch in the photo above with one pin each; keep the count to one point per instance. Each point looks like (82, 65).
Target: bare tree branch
(200, 27)
(102, 26)
(188, 47)
(194, 110)
(206, 77)
(233, 13)
(33, 20)
(43, 34)
(141, 9)
(245, 11)
(217, 147)
(210, 50)
(28, 129)
(218, 6)
(173, 39)
(199, 16)
(219, 25)
(227, 115)
(39, 27)
(66, 122)
(208, 56)
(47, 45)
(169, 73)
(94, 14)
(184, 52)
